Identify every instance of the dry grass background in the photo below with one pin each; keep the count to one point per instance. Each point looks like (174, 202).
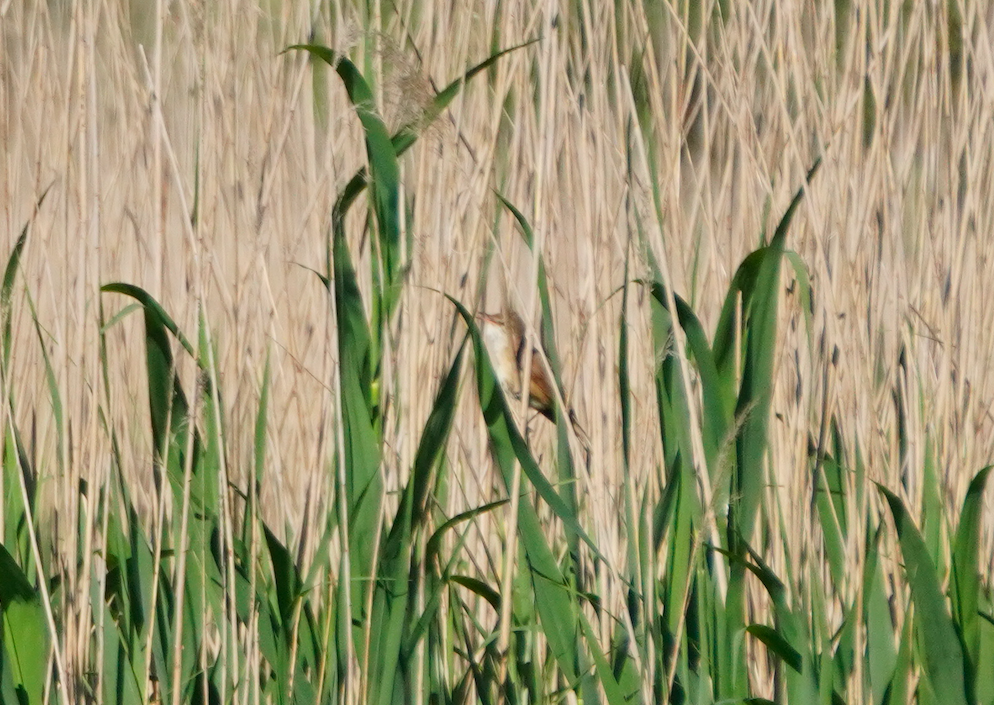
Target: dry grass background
(135, 114)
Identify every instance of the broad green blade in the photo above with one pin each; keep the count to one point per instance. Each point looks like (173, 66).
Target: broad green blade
(933, 522)
(25, 633)
(383, 151)
(149, 304)
(880, 650)
(945, 666)
(757, 282)
(500, 421)
(898, 690)
(717, 390)
(553, 598)
(435, 436)
(17, 468)
(480, 588)
(383, 168)
(985, 676)
(363, 482)
(397, 560)
(404, 138)
(830, 485)
(168, 407)
(966, 586)
(776, 643)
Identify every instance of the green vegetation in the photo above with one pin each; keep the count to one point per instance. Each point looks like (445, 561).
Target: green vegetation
(695, 581)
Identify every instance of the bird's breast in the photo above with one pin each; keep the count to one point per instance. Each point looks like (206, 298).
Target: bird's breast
(501, 357)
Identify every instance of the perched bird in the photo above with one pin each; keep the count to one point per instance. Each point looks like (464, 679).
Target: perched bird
(504, 336)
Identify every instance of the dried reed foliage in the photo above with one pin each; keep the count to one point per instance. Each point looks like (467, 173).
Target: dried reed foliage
(186, 155)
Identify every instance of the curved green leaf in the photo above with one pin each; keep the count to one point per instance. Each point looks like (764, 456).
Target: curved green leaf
(168, 406)
(363, 482)
(944, 661)
(480, 588)
(777, 644)
(554, 601)
(966, 569)
(25, 632)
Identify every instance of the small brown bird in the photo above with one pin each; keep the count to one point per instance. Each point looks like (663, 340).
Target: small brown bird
(503, 334)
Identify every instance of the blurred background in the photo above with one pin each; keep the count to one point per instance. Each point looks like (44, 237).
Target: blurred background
(181, 150)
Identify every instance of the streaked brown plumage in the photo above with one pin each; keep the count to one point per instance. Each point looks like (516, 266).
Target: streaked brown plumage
(504, 336)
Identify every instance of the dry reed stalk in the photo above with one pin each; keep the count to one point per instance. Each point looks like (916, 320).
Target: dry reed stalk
(895, 232)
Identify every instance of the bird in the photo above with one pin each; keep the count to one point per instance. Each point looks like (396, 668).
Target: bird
(504, 336)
